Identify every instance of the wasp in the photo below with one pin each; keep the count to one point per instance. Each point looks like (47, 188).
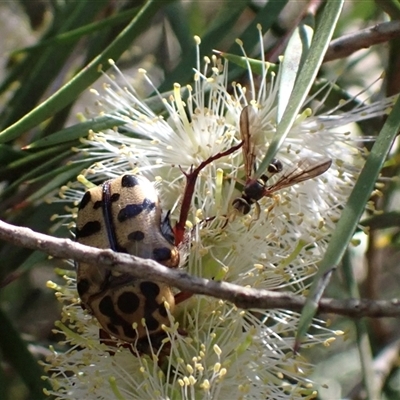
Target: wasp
(257, 188)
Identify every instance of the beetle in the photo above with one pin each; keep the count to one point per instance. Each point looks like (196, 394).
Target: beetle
(124, 214)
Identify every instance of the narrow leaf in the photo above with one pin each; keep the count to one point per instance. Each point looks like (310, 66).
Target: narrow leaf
(295, 52)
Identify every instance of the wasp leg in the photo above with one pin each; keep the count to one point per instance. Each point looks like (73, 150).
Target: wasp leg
(276, 200)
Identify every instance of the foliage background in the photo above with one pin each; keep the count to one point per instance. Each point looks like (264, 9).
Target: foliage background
(45, 43)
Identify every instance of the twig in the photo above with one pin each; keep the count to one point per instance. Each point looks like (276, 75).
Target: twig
(348, 44)
(242, 297)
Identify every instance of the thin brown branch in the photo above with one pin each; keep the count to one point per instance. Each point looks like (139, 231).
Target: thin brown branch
(242, 297)
(349, 44)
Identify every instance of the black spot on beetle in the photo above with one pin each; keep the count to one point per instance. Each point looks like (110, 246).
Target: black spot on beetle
(151, 323)
(133, 210)
(83, 286)
(163, 311)
(98, 204)
(136, 236)
(162, 254)
(106, 307)
(130, 211)
(115, 197)
(129, 181)
(89, 229)
(129, 331)
(148, 205)
(128, 302)
(85, 200)
(150, 290)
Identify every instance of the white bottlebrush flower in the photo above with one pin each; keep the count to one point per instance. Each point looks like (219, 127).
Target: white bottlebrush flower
(224, 352)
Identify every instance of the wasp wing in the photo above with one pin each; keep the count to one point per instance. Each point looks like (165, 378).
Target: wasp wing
(305, 169)
(247, 116)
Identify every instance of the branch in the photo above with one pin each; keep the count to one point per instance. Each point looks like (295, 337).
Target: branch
(242, 297)
(348, 44)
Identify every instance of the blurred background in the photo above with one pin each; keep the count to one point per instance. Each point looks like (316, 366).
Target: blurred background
(45, 43)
